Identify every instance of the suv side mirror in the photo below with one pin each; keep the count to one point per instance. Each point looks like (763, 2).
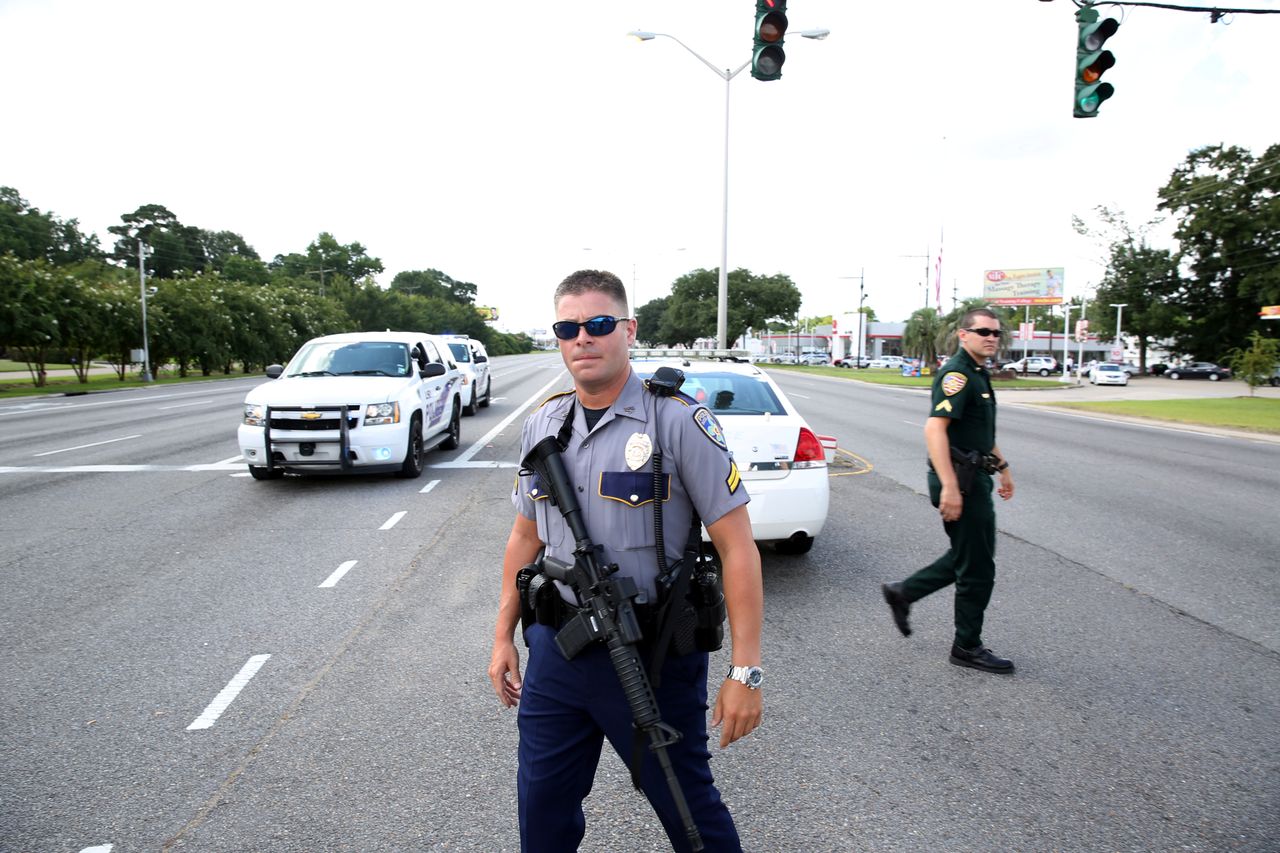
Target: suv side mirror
(435, 368)
(480, 358)
(274, 371)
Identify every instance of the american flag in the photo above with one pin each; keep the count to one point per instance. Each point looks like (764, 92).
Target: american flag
(937, 281)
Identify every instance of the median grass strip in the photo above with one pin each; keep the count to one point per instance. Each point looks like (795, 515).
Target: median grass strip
(886, 376)
(54, 385)
(1252, 414)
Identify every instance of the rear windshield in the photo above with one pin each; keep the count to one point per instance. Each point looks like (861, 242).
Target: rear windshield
(728, 393)
(461, 352)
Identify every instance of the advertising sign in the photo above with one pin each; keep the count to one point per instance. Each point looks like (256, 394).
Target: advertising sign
(1270, 312)
(1023, 287)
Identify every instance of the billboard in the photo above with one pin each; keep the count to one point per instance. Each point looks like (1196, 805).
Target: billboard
(1041, 286)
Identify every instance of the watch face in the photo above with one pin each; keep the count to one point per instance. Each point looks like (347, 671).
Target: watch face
(755, 675)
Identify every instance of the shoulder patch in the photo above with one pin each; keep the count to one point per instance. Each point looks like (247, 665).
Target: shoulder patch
(734, 479)
(953, 383)
(710, 427)
(944, 406)
(555, 396)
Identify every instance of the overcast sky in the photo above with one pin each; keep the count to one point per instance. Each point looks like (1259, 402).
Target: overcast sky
(509, 142)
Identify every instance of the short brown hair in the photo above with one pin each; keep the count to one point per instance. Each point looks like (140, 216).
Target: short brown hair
(593, 281)
(967, 320)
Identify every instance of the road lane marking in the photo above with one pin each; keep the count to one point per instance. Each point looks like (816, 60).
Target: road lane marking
(183, 405)
(333, 579)
(464, 459)
(94, 444)
(100, 848)
(229, 693)
(393, 520)
(428, 487)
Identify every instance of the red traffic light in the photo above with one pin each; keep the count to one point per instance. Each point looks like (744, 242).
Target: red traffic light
(771, 27)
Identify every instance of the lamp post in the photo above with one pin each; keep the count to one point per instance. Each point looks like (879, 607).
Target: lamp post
(1119, 313)
(862, 297)
(142, 289)
(722, 305)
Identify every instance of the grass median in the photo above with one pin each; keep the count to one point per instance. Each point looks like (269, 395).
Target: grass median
(890, 376)
(1251, 414)
(13, 386)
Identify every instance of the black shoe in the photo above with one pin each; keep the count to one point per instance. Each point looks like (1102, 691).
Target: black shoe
(981, 658)
(898, 605)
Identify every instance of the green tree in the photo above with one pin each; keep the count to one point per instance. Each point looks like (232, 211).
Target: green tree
(350, 261)
(28, 311)
(649, 319)
(920, 337)
(1257, 364)
(436, 284)
(754, 300)
(30, 234)
(1227, 203)
(173, 247)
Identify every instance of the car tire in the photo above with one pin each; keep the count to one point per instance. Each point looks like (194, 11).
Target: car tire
(413, 465)
(454, 441)
(470, 408)
(1213, 377)
(1044, 371)
(488, 394)
(794, 546)
(258, 472)
(1173, 374)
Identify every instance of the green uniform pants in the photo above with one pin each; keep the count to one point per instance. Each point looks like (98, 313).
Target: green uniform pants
(970, 564)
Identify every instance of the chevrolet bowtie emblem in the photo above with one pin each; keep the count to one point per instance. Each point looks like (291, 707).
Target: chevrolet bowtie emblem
(311, 416)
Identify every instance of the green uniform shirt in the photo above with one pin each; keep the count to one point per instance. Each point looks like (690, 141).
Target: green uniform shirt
(962, 392)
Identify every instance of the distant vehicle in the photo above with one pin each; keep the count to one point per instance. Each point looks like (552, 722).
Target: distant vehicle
(1109, 374)
(362, 402)
(1041, 364)
(891, 361)
(473, 361)
(1158, 369)
(853, 361)
(783, 358)
(1199, 370)
(815, 358)
(1275, 377)
(782, 462)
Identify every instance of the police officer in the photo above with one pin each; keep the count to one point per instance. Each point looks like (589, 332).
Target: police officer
(963, 419)
(567, 707)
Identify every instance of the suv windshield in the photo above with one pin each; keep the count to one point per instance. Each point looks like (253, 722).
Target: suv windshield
(372, 358)
(461, 353)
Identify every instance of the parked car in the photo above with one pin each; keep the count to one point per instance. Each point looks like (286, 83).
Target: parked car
(473, 361)
(1199, 370)
(892, 361)
(853, 361)
(362, 402)
(781, 460)
(1109, 374)
(1158, 369)
(1041, 364)
(1275, 377)
(815, 358)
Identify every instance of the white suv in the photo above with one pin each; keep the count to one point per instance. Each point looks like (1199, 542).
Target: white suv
(360, 402)
(1042, 364)
(473, 361)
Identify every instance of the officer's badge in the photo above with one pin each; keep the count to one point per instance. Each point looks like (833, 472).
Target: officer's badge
(639, 449)
(710, 427)
(953, 383)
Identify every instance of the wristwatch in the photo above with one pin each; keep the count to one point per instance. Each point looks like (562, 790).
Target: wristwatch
(1003, 465)
(752, 676)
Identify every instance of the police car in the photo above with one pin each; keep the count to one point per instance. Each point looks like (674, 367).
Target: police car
(473, 361)
(781, 460)
(362, 402)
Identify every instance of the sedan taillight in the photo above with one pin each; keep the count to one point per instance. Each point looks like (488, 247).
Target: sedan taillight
(809, 451)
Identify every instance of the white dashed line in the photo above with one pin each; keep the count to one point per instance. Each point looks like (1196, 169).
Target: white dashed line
(184, 405)
(229, 693)
(333, 579)
(428, 487)
(95, 444)
(101, 848)
(393, 520)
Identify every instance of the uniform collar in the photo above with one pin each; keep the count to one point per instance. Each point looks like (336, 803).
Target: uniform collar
(629, 404)
(968, 360)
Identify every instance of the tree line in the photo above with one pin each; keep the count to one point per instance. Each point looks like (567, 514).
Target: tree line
(213, 304)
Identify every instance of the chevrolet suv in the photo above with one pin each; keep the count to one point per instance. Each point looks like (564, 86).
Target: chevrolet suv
(473, 361)
(361, 402)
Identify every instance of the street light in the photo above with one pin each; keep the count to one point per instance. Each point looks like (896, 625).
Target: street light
(143, 251)
(1119, 312)
(722, 309)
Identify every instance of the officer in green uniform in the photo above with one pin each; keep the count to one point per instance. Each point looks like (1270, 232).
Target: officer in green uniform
(960, 435)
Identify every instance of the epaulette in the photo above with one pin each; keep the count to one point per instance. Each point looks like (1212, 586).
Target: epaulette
(682, 397)
(555, 396)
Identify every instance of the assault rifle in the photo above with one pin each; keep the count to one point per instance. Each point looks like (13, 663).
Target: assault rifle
(607, 615)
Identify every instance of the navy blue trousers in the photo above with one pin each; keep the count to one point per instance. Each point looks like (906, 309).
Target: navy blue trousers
(566, 710)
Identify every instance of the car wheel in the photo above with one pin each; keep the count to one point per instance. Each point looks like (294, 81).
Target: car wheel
(258, 472)
(488, 394)
(798, 544)
(1175, 375)
(1213, 377)
(1275, 381)
(470, 408)
(412, 467)
(1044, 371)
(455, 430)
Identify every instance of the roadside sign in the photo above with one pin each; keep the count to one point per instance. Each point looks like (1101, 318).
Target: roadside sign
(1117, 354)
(1082, 329)
(1026, 331)
(1270, 312)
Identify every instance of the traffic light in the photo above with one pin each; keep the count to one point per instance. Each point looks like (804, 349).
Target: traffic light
(771, 26)
(1092, 61)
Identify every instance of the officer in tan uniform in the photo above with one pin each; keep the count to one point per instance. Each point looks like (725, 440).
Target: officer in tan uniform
(613, 427)
(960, 435)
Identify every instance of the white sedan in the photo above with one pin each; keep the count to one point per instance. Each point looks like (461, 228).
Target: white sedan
(1109, 374)
(782, 461)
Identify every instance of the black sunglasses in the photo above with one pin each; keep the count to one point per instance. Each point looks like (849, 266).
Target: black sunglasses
(986, 333)
(597, 327)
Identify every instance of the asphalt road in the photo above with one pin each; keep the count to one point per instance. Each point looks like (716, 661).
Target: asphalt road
(1137, 591)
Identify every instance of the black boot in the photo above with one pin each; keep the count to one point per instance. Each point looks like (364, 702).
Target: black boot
(898, 605)
(981, 658)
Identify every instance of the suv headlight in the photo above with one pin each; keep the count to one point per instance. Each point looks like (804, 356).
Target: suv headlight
(255, 415)
(381, 413)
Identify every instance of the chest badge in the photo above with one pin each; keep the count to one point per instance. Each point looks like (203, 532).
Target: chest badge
(639, 449)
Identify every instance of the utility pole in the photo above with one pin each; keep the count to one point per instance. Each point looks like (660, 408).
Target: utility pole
(321, 271)
(1119, 313)
(142, 289)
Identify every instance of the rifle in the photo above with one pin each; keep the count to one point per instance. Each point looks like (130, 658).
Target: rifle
(607, 615)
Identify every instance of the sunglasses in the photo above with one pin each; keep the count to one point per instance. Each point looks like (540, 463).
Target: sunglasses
(986, 333)
(597, 327)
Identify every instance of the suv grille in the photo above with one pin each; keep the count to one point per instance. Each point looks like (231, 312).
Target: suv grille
(291, 419)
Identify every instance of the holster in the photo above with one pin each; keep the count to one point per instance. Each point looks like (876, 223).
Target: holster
(966, 464)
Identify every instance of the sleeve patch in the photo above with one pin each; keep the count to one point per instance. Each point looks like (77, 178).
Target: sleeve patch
(710, 427)
(953, 383)
(944, 406)
(734, 479)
